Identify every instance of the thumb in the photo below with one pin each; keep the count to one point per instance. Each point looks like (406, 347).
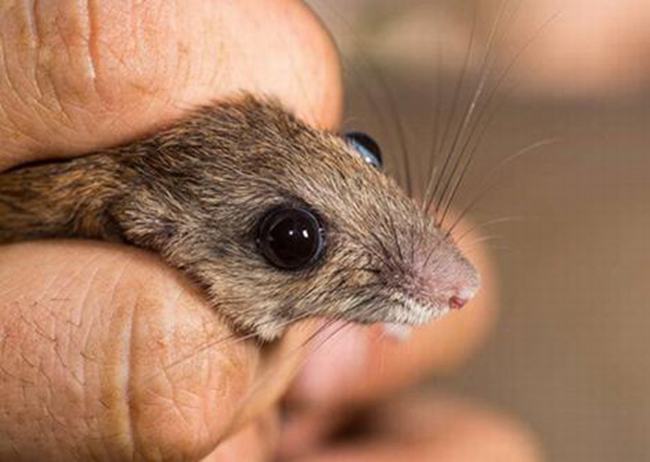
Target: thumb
(82, 75)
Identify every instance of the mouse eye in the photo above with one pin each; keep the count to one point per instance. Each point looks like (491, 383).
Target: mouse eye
(366, 147)
(291, 238)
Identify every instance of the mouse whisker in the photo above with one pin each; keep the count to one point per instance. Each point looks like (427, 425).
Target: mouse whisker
(396, 240)
(484, 120)
(489, 240)
(431, 252)
(400, 128)
(485, 224)
(492, 173)
(384, 255)
(236, 337)
(389, 259)
(436, 139)
(342, 292)
(326, 325)
(332, 321)
(464, 171)
(368, 269)
(263, 380)
(412, 239)
(471, 107)
(434, 181)
(474, 117)
(396, 119)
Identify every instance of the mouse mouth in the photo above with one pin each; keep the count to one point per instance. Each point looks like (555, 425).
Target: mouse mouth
(413, 312)
(409, 314)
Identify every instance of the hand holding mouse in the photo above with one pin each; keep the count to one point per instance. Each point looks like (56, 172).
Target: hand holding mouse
(87, 328)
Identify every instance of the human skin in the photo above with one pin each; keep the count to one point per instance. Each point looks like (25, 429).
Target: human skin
(105, 352)
(578, 48)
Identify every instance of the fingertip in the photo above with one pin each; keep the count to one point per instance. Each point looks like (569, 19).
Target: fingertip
(121, 336)
(106, 75)
(336, 363)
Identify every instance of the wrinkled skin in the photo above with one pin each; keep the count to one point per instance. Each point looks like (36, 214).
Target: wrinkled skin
(89, 332)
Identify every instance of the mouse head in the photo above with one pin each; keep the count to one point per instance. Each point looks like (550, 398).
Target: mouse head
(290, 222)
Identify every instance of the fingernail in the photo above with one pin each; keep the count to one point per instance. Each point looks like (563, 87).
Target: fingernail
(338, 358)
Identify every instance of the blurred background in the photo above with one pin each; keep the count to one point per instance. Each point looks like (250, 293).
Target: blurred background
(565, 99)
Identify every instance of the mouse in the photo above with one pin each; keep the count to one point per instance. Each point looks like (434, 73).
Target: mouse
(273, 219)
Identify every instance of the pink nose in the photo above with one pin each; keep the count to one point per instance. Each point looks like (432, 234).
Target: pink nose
(456, 303)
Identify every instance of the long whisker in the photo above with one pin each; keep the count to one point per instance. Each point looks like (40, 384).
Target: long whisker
(473, 246)
(389, 257)
(493, 40)
(431, 252)
(385, 257)
(390, 101)
(434, 181)
(485, 239)
(393, 230)
(484, 72)
(531, 148)
(469, 159)
(235, 337)
(268, 374)
(472, 137)
(436, 138)
(238, 338)
(399, 125)
(329, 323)
(496, 221)
(343, 292)
(477, 139)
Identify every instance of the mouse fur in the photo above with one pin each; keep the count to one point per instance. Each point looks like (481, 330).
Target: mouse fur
(195, 192)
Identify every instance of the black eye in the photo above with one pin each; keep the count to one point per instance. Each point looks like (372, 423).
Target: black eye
(291, 238)
(366, 146)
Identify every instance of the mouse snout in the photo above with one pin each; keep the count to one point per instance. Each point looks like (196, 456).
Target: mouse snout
(447, 280)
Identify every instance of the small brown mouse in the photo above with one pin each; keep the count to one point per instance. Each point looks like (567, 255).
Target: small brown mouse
(276, 221)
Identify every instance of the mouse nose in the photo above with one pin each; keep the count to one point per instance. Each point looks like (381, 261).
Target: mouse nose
(445, 278)
(456, 302)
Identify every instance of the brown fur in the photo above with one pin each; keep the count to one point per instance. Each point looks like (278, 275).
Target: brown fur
(195, 192)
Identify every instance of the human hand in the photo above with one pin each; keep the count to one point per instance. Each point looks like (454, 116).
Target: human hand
(103, 348)
(105, 352)
(577, 48)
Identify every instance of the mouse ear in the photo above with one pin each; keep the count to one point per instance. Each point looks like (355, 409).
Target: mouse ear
(366, 147)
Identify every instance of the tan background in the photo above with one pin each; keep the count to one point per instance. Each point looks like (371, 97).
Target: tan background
(570, 355)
